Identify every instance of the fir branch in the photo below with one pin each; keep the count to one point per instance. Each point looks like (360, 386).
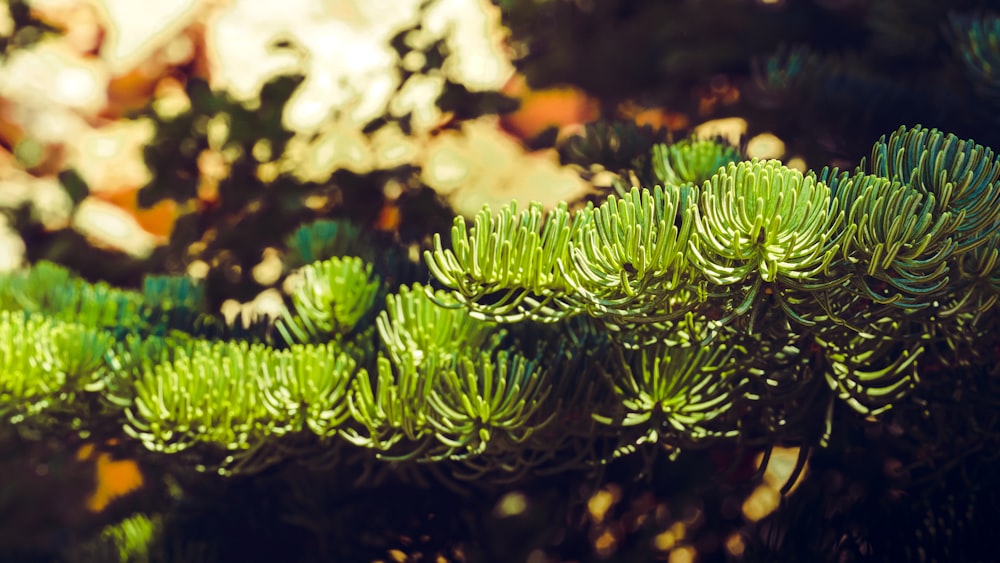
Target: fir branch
(898, 242)
(677, 393)
(329, 298)
(510, 261)
(692, 161)
(760, 223)
(419, 322)
(234, 396)
(976, 40)
(47, 364)
(324, 239)
(961, 174)
(871, 372)
(630, 258)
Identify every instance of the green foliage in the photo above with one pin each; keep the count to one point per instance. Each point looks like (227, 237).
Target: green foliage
(328, 299)
(166, 302)
(46, 363)
(866, 261)
(418, 322)
(635, 157)
(679, 393)
(783, 71)
(174, 302)
(234, 396)
(870, 372)
(736, 303)
(445, 390)
(476, 405)
(52, 290)
(760, 218)
(489, 404)
(762, 223)
(614, 145)
(682, 309)
(140, 539)
(513, 256)
(628, 257)
(691, 161)
(961, 174)
(323, 239)
(977, 42)
(922, 226)
(127, 542)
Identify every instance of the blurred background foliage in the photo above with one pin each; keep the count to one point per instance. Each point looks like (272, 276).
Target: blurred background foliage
(237, 141)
